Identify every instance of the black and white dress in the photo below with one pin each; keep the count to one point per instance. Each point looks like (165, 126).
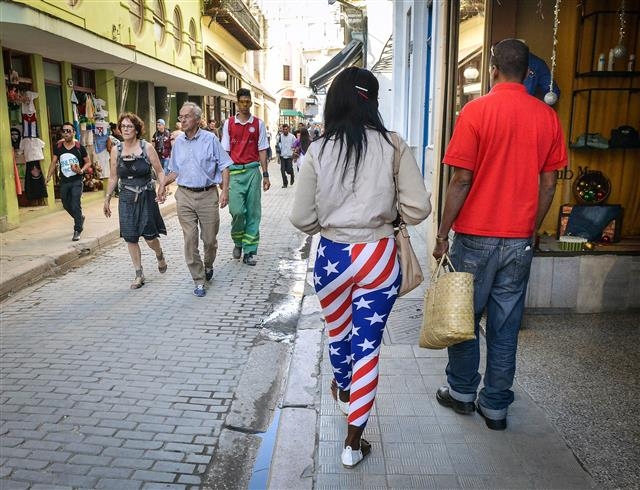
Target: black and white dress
(138, 210)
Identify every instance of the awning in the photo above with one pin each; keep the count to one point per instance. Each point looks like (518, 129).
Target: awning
(349, 55)
(291, 112)
(25, 29)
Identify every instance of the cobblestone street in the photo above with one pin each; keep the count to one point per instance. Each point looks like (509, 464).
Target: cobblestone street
(107, 387)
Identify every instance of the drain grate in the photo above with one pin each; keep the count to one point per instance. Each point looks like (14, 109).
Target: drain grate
(404, 322)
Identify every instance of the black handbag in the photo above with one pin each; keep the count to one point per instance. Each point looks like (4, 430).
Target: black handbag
(624, 137)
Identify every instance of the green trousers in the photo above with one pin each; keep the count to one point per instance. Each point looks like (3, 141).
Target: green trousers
(245, 192)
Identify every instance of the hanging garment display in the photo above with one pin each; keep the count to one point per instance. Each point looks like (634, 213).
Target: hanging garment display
(32, 149)
(34, 182)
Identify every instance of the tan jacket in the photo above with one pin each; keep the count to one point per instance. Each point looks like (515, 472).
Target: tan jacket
(359, 212)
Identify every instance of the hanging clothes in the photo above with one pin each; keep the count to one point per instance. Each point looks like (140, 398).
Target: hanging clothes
(34, 182)
(16, 175)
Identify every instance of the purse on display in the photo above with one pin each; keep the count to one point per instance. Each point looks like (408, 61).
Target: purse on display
(448, 315)
(624, 137)
(411, 271)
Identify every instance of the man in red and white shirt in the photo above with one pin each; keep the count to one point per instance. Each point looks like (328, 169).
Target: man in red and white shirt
(244, 137)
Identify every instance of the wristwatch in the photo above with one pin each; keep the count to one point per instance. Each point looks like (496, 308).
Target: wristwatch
(265, 175)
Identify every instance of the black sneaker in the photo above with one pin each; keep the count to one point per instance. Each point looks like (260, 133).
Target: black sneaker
(237, 252)
(249, 259)
(208, 274)
(446, 400)
(76, 236)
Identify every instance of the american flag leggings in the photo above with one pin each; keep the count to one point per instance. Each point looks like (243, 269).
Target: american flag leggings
(357, 285)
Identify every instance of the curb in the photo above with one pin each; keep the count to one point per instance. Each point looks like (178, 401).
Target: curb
(292, 463)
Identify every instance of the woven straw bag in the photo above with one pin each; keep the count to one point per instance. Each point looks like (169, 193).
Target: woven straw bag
(409, 265)
(448, 316)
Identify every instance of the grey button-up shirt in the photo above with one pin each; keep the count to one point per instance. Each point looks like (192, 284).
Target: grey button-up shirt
(198, 161)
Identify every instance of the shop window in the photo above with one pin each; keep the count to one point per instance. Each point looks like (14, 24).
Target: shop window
(136, 12)
(51, 71)
(177, 30)
(286, 72)
(159, 27)
(54, 104)
(83, 79)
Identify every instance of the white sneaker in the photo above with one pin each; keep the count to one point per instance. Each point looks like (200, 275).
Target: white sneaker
(351, 457)
(343, 406)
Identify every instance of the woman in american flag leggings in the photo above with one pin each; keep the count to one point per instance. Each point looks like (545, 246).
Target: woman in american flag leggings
(346, 192)
(357, 285)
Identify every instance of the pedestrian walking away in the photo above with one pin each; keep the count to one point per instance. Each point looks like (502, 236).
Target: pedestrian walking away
(505, 150)
(245, 138)
(138, 211)
(346, 193)
(300, 147)
(67, 155)
(287, 142)
(199, 165)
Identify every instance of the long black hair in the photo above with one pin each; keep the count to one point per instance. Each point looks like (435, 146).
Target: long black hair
(351, 108)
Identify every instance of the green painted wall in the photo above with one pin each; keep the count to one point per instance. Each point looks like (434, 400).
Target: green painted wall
(9, 215)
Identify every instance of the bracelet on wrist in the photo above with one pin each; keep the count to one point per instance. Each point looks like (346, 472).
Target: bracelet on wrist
(265, 175)
(442, 238)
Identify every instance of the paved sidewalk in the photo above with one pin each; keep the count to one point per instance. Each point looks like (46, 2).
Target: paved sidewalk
(416, 442)
(105, 387)
(42, 246)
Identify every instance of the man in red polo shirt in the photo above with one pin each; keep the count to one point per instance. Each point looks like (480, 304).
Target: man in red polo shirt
(505, 150)
(245, 138)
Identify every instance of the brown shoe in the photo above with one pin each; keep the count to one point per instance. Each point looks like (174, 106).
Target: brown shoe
(162, 264)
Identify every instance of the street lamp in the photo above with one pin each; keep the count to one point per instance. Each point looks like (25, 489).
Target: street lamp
(221, 76)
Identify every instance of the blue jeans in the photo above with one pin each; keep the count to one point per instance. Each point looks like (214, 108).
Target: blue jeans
(165, 165)
(71, 197)
(501, 272)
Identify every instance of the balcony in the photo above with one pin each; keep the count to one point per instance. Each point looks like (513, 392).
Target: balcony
(235, 17)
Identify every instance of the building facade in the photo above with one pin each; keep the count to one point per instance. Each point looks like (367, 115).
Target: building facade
(86, 62)
(440, 62)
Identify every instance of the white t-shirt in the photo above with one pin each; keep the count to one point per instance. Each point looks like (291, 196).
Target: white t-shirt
(286, 145)
(32, 149)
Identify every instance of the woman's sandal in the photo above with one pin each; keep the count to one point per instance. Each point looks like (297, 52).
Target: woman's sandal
(335, 393)
(162, 264)
(138, 281)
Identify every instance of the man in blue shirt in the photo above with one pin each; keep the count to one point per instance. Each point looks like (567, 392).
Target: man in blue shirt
(199, 166)
(538, 77)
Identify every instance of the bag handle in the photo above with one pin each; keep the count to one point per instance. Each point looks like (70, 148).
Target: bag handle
(443, 262)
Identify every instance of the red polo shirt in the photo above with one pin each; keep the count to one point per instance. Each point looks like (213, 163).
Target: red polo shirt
(506, 138)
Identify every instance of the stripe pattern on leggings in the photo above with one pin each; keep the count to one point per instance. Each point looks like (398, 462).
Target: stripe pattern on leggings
(357, 285)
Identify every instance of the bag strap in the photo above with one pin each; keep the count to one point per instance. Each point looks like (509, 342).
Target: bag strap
(396, 169)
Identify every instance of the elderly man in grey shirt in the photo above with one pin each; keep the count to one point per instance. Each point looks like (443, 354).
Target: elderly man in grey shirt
(199, 166)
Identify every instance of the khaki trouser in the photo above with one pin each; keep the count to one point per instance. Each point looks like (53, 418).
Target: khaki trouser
(198, 208)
